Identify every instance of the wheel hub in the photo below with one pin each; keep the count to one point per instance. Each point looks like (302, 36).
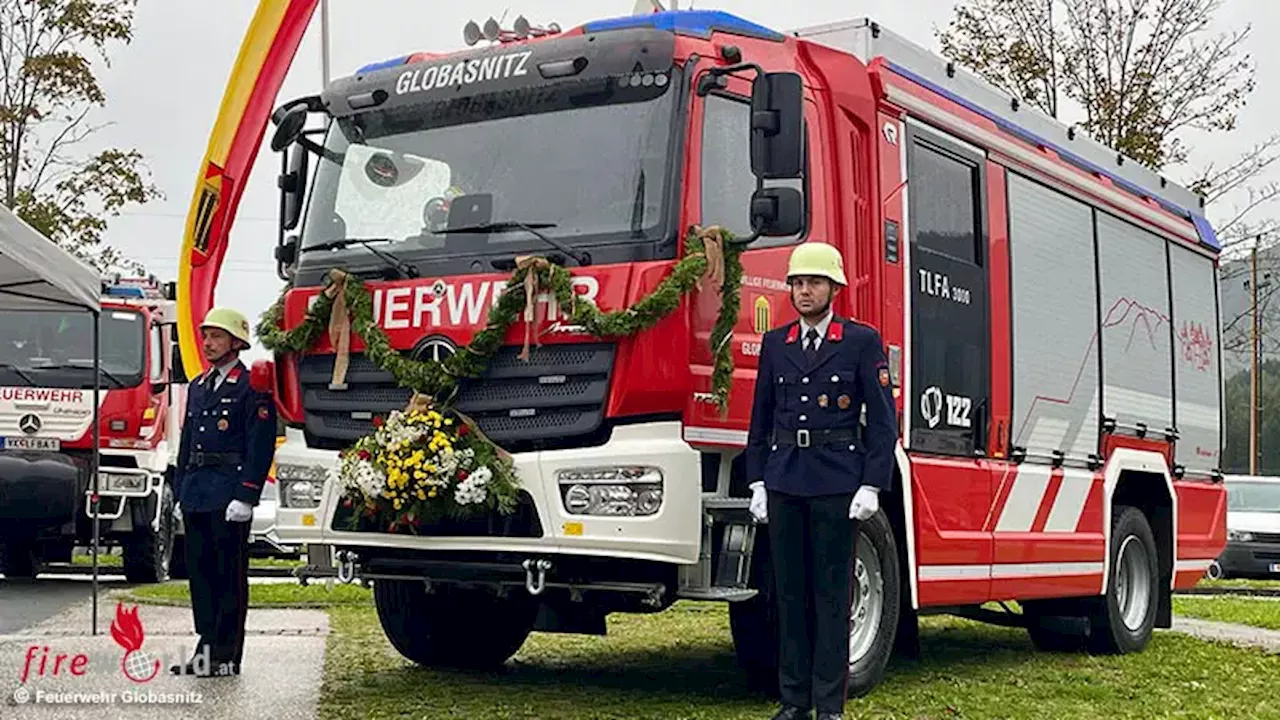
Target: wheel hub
(1132, 582)
(868, 600)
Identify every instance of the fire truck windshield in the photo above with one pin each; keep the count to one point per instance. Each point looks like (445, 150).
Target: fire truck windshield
(590, 168)
(55, 349)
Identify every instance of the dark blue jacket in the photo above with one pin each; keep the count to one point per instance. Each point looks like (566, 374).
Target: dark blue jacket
(793, 393)
(235, 420)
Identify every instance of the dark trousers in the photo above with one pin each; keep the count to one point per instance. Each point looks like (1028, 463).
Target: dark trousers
(811, 541)
(218, 564)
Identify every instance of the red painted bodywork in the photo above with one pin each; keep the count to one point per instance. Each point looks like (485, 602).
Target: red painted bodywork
(856, 186)
(129, 405)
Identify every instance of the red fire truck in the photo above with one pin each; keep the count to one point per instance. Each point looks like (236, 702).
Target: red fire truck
(1049, 309)
(46, 422)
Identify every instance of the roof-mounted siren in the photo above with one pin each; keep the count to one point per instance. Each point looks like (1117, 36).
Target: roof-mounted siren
(493, 32)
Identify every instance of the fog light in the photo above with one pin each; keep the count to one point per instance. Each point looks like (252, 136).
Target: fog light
(301, 486)
(622, 491)
(1239, 536)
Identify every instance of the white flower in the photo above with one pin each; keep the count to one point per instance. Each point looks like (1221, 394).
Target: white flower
(472, 490)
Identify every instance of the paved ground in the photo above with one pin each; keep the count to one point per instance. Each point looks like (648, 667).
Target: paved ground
(283, 663)
(1241, 635)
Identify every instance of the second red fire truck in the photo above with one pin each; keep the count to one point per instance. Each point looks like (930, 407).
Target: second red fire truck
(1049, 309)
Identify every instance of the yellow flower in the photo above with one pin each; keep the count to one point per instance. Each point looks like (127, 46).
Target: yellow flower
(432, 492)
(421, 495)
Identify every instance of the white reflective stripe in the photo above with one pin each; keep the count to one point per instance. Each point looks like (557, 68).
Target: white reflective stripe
(1194, 565)
(1068, 506)
(935, 573)
(715, 435)
(1019, 512)
(955, 572)
(1046, 569)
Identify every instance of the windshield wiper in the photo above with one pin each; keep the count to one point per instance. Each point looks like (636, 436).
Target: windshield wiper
(392, 262)
(75, 366)
(17, 371)
(509, 225)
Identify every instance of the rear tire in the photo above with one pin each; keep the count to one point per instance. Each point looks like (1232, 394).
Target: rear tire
(451, 628)
(1124, 618)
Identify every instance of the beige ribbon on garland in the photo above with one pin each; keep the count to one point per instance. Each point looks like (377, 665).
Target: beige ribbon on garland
(339, 328)
(713, 249)
(531, 264)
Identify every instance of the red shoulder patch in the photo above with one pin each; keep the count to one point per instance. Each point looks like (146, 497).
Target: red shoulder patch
(835, 331)
(794, 333)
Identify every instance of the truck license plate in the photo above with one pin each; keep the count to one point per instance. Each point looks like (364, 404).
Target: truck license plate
(30, 443)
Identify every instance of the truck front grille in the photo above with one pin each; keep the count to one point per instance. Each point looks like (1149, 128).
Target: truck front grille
(555, 399)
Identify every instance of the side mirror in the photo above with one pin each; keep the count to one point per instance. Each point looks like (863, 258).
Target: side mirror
(777, 126)
(291, 184)
(777, 211)
(289, 124)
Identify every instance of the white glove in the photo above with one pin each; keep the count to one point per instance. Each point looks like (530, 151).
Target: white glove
(759, 502)
(865, 503)
(239, 511)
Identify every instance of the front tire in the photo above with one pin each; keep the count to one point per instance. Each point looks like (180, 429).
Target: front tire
(452, 628)
(875, 610)
(1125, 617)
(148, 554)
(877, 603)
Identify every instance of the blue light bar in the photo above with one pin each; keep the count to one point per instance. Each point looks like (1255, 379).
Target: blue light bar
(373, 67)
(699, 23)
(124, 291)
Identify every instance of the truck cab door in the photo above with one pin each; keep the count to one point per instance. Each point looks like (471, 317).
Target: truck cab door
(720, 184)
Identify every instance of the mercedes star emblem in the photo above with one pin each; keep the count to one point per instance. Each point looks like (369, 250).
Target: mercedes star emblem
(29, 424)
(436, 348)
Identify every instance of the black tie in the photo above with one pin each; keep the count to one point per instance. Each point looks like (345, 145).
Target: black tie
(811, 343)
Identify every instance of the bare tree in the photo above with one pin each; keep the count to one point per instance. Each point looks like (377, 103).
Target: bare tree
(48, 91)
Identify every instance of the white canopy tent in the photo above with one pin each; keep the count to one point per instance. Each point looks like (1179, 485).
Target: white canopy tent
(37, 274)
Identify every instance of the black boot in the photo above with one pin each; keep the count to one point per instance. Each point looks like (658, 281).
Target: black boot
(791, 712)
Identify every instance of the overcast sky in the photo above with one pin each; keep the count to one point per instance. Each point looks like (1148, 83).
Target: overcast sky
(164, 90)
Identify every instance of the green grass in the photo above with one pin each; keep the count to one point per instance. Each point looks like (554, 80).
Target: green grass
(263, 595)
(1258, 612)
(680, 664)
(117, 560)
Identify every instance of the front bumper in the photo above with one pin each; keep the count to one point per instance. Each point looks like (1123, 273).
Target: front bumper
(670, 535)
(1251, 558)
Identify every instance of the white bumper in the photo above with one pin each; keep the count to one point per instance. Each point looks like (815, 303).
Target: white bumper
(670, 535)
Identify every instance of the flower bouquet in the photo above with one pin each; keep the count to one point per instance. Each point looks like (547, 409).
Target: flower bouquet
(420, 465)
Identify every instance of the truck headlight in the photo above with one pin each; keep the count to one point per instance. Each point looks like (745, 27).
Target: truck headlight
(1239, 536)
(301, 486)
(626, 491)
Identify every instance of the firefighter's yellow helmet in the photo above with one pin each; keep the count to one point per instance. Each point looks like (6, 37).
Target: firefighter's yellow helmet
(230, 320)
(817, 258)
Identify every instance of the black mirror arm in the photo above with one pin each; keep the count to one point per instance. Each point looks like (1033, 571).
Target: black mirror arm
(717, 72)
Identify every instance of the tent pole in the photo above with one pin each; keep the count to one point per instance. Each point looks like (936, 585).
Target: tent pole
(97, 439)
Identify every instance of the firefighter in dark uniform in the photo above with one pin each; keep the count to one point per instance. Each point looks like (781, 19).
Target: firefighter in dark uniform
(226, 450)
(813, 478)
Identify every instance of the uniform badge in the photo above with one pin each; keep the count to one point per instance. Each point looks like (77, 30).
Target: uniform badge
(263, 412)
(823, 401)
(223, 424)
(884, 377)
(843, 401)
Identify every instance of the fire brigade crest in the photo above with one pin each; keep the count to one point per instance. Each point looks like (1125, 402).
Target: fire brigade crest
(126, 629)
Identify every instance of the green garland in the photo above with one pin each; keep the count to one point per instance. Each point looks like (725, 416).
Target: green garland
(439, 379)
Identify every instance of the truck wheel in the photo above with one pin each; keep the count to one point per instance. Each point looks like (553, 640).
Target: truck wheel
(1124, 618)
(18, 560)
(877, 602)
(1215, 571)
(451, 628)
(147, 554)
